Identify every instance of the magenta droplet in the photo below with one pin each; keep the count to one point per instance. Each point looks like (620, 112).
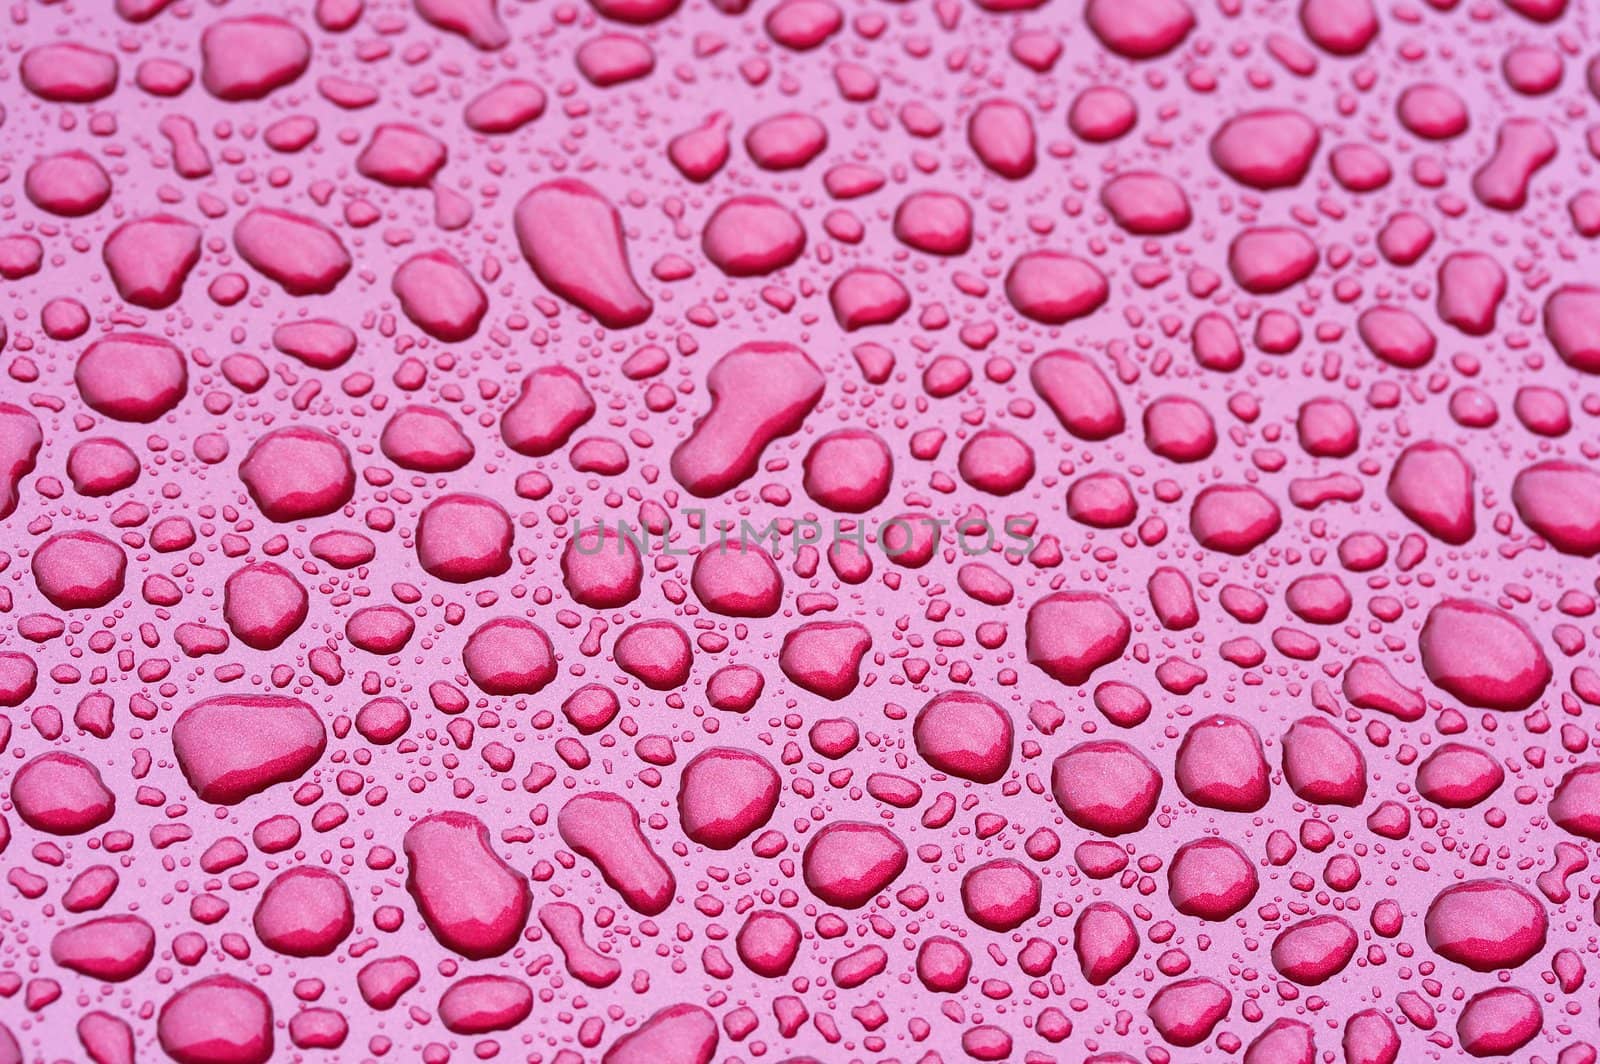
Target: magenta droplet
(572, 237)
(233, 746)
(217, 1020)
(247, 58)
(1482, 655)
(471, 900)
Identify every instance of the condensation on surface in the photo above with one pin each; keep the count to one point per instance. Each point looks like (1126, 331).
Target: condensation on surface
(665, 532)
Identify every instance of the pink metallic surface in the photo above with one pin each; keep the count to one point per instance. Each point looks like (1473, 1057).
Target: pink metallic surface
(842, 530)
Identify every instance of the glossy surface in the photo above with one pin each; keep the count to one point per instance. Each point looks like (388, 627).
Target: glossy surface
(671, 533)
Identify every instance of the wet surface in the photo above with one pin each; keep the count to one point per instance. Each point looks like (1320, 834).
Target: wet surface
(665, 532)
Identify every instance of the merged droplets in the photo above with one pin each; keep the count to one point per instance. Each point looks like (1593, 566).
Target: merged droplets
(573, 239)
(299, 253)
(79, 570)
(1211, 879)
(1142, 29)
(752, 235)
(217, 1018)
(843, 455)
(247, 58)
(1482, 655)
(726, 794)
(760, 391)
(297, 473)
(1572, 324)
(966, 735)
(1486, 924)
(471, 900)
(1523, 146)
(70, 184)
(1105, 786)
(1002, 136)
(131, 376)
(68, 73)
(440, 296)
(233, 746)
(604, 828)
(1266, 149)
(1055, 287)
(847, 863)
(61, 794)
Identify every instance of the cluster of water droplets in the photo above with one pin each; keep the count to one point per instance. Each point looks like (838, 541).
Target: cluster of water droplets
(672, 531)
